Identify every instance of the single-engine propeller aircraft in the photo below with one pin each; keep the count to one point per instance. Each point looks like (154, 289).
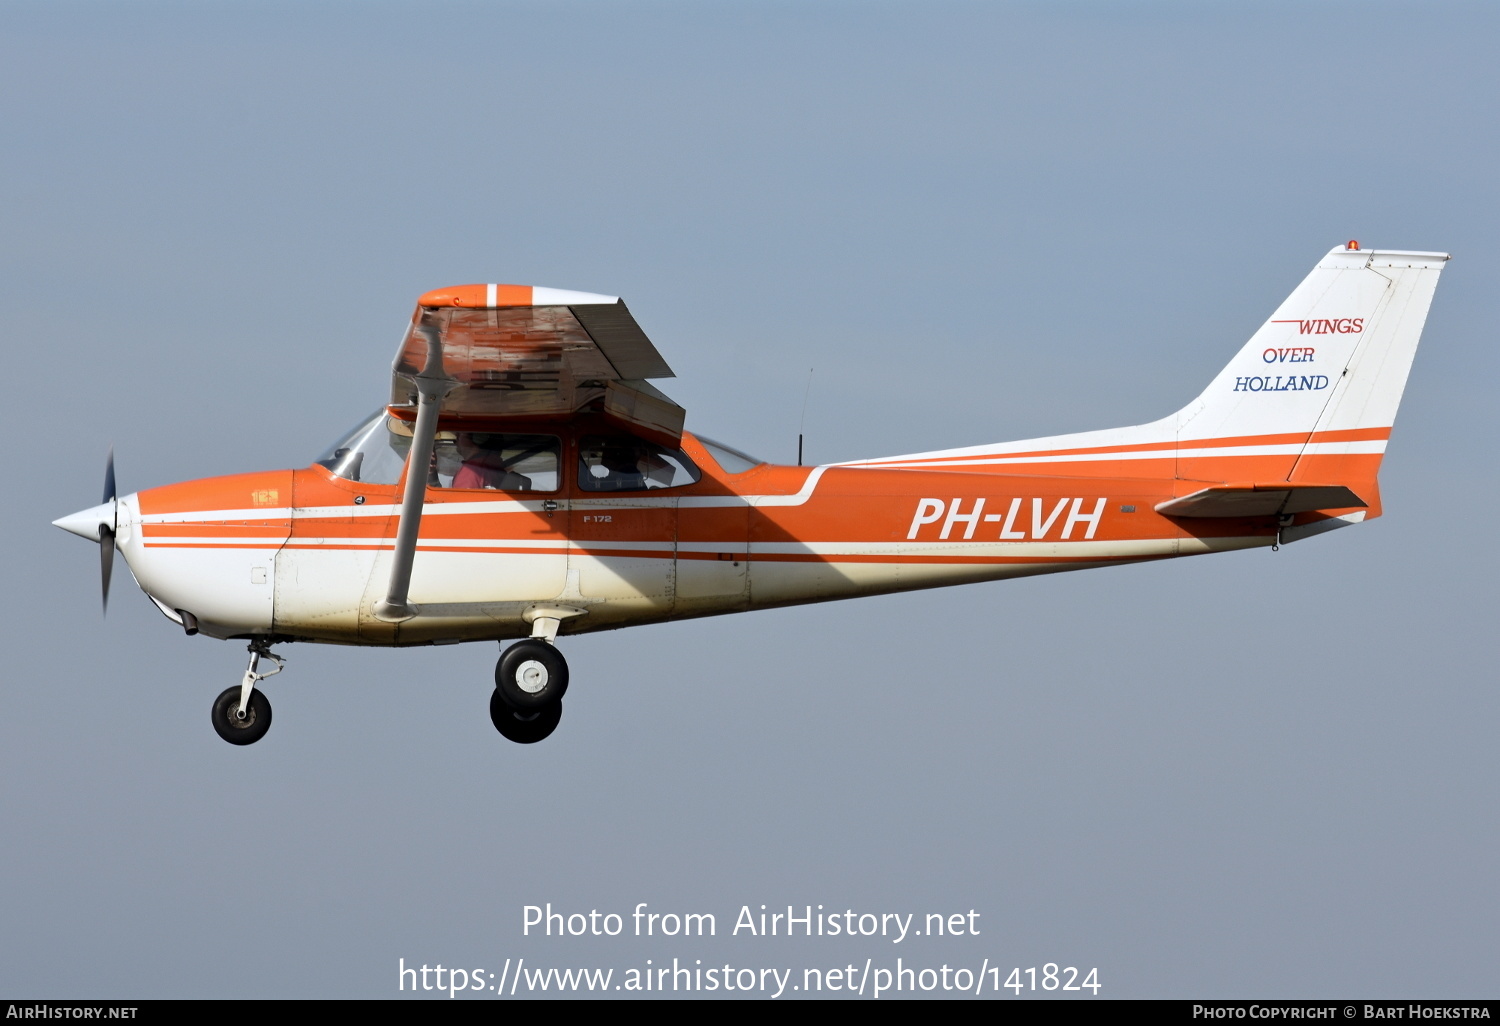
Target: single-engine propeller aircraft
(525, 481)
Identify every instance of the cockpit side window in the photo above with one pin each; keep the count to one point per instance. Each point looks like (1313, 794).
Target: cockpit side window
(497, 460)
(624, 464)
(373, 453)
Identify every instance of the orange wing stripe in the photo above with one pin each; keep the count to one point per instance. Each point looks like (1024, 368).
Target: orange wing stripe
(478, 296)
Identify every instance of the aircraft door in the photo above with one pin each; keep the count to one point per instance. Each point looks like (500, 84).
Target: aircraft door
(624, 526)
(495, 525)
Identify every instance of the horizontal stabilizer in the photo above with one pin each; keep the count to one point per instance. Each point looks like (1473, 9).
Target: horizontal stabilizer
(1274, 498)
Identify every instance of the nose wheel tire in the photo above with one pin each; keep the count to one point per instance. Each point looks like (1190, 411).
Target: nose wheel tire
(524, 728)
(531, 675)
(229, 725)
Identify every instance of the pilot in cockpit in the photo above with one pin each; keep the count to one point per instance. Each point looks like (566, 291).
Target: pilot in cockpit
(484, 466)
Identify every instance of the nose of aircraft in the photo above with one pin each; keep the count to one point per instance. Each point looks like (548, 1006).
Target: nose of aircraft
(87, 522)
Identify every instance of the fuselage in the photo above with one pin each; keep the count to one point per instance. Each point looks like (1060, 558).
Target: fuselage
(305, 554)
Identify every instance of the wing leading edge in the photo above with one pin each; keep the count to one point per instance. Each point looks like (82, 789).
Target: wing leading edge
(524, 351)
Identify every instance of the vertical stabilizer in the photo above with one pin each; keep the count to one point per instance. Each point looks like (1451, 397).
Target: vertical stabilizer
(1321, 380)
(1310, 399)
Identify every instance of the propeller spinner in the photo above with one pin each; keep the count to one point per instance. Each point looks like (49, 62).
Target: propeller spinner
(98, 524)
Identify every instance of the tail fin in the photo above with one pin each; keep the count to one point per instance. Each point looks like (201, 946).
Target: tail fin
(1315, 390)
(1308, 402)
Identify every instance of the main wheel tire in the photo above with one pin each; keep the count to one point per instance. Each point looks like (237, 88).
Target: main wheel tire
(531, 675)
(245, 731)
(524, 728)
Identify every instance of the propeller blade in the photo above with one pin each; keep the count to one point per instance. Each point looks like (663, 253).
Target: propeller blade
(106, 560)
(107, 531)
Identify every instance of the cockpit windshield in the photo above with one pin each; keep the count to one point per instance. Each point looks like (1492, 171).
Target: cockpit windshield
(373, 453)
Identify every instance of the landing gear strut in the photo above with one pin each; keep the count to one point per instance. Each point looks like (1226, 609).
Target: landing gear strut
(242, 714)
(530, 680)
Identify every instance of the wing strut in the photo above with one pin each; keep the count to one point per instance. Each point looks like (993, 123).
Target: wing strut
(432, 385)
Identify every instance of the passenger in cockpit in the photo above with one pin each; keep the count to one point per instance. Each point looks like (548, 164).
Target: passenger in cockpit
(622, 465)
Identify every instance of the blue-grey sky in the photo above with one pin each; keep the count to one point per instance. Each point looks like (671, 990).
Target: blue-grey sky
(1251, 775)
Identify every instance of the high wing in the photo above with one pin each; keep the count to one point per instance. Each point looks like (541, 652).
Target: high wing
(524, 351)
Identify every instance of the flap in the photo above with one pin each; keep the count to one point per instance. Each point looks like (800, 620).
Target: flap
(640, 408)
(1260, 500)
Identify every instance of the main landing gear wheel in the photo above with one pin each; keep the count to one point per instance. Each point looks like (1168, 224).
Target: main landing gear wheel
(530, 676)
(241, 731)
(524, 728)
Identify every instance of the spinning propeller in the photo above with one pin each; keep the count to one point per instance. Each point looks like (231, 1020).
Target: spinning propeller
(98, 525)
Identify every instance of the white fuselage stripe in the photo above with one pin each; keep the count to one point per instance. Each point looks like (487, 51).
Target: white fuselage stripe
(478, 508)
(1312, 449)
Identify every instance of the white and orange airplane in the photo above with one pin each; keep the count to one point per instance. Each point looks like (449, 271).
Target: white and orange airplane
(556, 491)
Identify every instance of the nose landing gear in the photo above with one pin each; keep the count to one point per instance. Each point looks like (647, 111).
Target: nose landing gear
(242, 715)
(530, 680)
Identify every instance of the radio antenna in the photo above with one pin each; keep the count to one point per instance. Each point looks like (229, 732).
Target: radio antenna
(803, 422)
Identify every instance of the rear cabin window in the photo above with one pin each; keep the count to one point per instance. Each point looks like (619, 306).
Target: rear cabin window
(623, 464)
(732, 460)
